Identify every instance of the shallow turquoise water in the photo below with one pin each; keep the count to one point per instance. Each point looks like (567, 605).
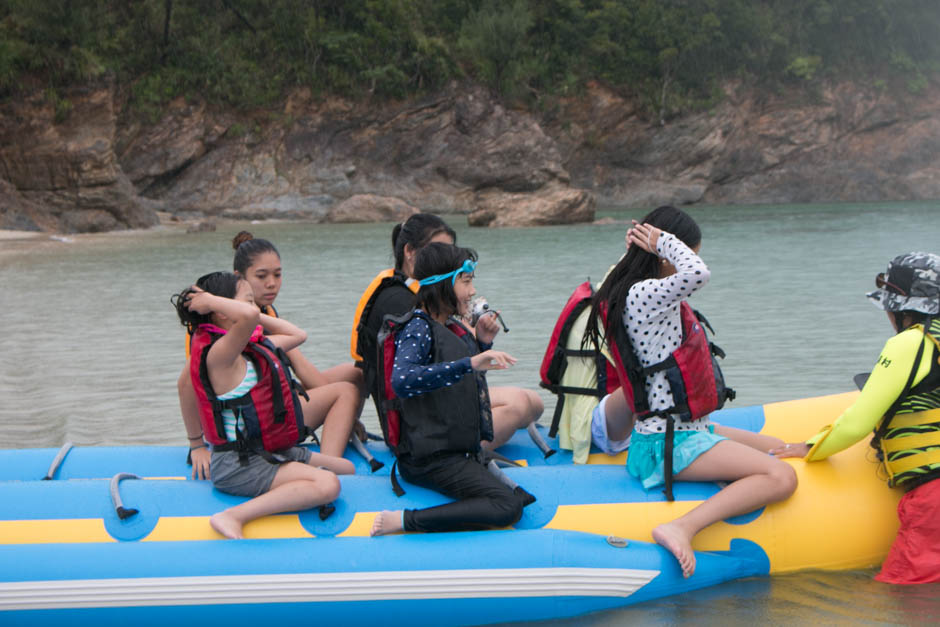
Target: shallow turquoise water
(93, 349)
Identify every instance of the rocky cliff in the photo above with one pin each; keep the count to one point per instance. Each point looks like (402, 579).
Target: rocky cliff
(459, 151)
(843, 143)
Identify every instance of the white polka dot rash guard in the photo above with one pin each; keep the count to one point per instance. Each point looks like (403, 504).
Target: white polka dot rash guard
(654, 325)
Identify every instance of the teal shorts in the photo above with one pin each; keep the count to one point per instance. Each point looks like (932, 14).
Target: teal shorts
(645, 461)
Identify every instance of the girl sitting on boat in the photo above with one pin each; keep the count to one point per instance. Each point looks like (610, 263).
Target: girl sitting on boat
(336, 393)
(255, 421)
(389, 293)
(900, 402)
(642, 301)
(438, 375)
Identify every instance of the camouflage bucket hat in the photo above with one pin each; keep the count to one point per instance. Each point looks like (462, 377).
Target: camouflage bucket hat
(911, 283)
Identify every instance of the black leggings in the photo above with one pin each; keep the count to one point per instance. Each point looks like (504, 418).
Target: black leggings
(483, 501)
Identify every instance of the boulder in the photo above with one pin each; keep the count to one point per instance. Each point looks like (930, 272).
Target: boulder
(370, 208)
(555, 205)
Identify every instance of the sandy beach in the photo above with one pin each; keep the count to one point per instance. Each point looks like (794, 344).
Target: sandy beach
(11, 235)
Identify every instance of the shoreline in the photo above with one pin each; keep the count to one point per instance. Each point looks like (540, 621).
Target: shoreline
(9, 235)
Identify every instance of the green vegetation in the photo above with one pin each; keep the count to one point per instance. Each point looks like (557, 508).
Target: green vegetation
(672, 54)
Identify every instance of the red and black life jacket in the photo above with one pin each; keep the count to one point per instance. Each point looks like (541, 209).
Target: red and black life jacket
(557, 354)
(692, 372)
(450, 419)
(694, 378)
(270, 413)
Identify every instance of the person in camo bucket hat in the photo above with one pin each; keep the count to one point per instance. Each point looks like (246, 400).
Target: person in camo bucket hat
(912, 283)
(900, 402)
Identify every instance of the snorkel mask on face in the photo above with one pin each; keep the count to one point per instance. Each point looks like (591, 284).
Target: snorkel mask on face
(467, 268)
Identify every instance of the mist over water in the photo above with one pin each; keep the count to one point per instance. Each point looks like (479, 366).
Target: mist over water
(93, 347)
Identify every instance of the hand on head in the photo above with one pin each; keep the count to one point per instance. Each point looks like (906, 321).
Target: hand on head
(644, 235)
(198, 300)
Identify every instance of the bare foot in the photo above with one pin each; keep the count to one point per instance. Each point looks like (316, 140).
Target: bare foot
(671, 538)
(227, 525)
(386, 522)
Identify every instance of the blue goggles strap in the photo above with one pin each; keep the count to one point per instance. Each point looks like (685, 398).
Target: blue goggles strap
(467, 268)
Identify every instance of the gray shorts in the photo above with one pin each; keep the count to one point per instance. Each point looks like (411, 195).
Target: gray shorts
(255, 477)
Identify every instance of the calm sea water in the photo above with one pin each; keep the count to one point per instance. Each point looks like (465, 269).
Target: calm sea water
(93, 348)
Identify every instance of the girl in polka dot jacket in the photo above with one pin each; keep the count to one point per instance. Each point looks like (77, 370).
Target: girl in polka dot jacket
(445, 406)
(642, 295)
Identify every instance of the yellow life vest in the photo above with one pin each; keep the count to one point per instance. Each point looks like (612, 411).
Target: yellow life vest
(911, 445)
(365, 304)
(910, 450)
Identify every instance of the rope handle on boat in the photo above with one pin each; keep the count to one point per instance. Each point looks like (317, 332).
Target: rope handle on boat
(60, 456)
(122, 512)
(374, 464)
(540, 442)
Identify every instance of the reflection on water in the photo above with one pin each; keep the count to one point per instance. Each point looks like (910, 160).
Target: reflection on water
(818, 598)
(92, 347)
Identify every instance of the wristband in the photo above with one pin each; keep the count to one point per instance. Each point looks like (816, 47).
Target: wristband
(193, 448)
(195, 437)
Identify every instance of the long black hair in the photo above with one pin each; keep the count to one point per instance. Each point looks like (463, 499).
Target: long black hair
(417, 231)
(247, 247)
(224, 284)
(439, 258)
(637, 265)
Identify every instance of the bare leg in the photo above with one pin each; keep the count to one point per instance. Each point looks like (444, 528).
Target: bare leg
(386, 522)
(620, 417)
(350, 374)
(334, 406)
(295, 487)
(759, 441)
(338, 465)
(757, 480)
(513, 408)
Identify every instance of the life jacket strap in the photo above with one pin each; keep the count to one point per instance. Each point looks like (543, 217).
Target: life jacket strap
(905, 464)
(916, 419)
(669, 445)
(913, 441)
(556, 415)
(396, 487)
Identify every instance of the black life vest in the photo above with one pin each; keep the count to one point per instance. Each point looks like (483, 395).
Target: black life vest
(362, 342)
(446, 420)
(270, 413)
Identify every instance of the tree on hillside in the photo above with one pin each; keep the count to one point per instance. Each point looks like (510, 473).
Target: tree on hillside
(493, 39)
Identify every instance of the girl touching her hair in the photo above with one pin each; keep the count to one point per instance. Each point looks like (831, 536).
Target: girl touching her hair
(252, 454)
(642, 303)
(336, 393)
